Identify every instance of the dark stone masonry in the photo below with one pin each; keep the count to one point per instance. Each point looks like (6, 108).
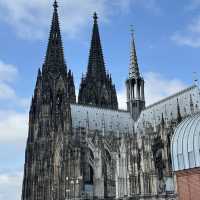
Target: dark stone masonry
(90, 149)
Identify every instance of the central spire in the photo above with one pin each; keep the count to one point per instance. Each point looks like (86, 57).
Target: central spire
(135, 84)
(133, 69)
(55, 56)
(96, 66)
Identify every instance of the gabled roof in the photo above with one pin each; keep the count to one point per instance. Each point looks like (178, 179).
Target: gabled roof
(168, 107)
(100, 119)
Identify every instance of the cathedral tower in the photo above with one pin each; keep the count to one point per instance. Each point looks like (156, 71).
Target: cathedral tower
(135, 85)
(49, 138)
(97, 88)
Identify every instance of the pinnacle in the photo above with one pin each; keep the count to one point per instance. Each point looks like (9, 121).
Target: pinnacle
(55, 5)
(55, 54)
(95, 17)
(179, 117)
(96, 65)
(133, 69)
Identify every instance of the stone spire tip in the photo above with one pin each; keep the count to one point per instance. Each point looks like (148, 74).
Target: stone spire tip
(132, 31)
(95, 17)
(55, 5)
(134, 68)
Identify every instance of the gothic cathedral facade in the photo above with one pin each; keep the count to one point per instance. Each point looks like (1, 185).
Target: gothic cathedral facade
(85, 147)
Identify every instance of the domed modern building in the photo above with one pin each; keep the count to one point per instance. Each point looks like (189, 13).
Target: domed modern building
(185, 149)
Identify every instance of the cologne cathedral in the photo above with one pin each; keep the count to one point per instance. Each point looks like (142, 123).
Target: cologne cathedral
(84, 147)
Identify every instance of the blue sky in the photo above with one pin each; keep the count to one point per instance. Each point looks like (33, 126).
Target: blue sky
(167, 39)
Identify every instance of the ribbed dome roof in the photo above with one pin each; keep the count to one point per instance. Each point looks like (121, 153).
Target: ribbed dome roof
(185, 144)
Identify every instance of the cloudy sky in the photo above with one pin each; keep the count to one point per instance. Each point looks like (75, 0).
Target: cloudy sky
(167, 40)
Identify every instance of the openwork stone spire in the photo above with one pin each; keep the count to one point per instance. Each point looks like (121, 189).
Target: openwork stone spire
(54, 56)
(133, 68)
(50, 139)
(54, 61)
(96, 88)
(134, 84)
(96, 66)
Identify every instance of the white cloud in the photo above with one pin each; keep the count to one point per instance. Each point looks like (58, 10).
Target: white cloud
(13, 132)
(187, 40)
(23, 15)
(6, 92)
(157, 87)
(13, 126)
(190, 36)
(10, 185)
(8, 72)
(8, 75)
(121, 96)
(192, 5)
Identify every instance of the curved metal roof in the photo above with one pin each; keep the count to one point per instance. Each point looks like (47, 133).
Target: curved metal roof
(185, 144)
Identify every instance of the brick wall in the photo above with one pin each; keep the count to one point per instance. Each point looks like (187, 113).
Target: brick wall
(188, 184)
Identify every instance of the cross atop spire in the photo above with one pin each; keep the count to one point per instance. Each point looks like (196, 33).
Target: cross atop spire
(95, 17)
(55, 55)
(132, 31)
(55, 5)
(133, 69)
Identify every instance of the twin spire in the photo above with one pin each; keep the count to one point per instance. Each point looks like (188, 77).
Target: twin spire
(97, 82)
(55, 54)
(54, 59)
(96, 65)
(96, 88)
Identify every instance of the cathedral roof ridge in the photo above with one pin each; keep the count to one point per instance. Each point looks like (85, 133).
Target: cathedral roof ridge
(100, 108)
(171, 96)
